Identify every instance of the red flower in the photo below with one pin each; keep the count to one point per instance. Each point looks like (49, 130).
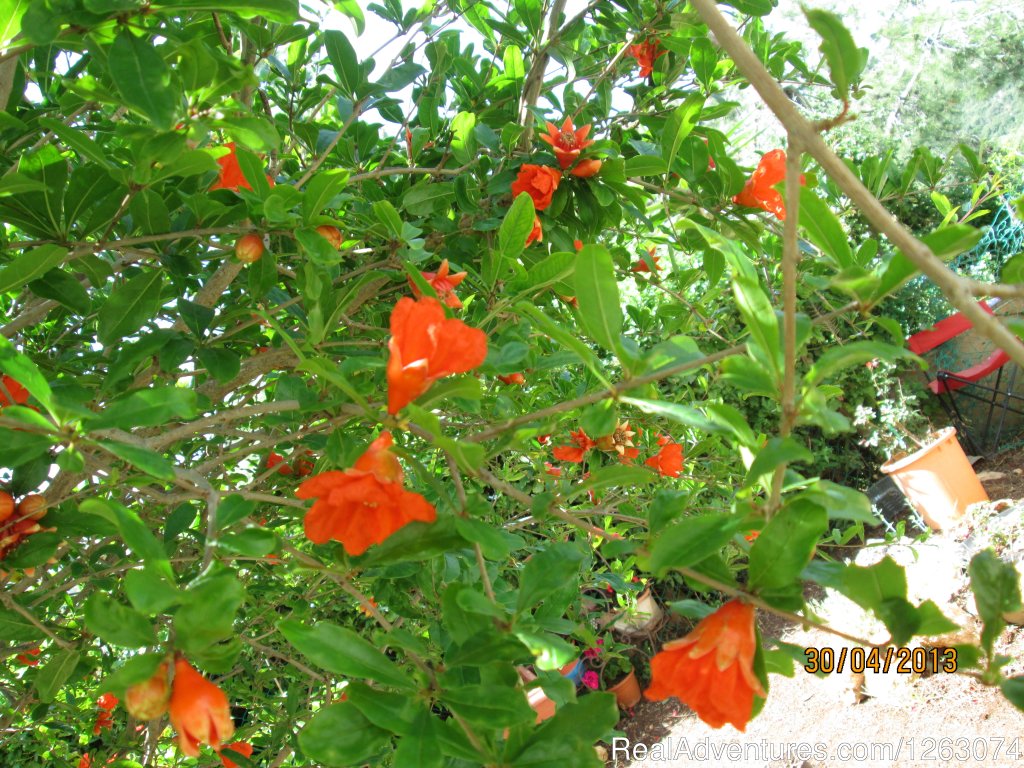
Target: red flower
(539, 182)
(571, 454)
(571, 301)
(364, 505)
(644, 266)
(752, 536)
(304, 466)
(552, 470)
(12, 392)
(106, 702)
(148, 700)
(443, 284)
(513, 378)
(273, 459)
(567, 142)
(646, 54)
(426, 346)
(199, 710)
(577, 244)
(711, 670)
(760, 192)
(231, 176)
(668, 461)
(241, 747)
(586, 168)
(536, 234)
(543, 439)
(24, 657)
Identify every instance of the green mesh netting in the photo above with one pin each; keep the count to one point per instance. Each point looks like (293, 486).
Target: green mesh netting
(1004, 239)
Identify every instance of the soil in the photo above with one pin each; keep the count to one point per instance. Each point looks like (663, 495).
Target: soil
(892, 720)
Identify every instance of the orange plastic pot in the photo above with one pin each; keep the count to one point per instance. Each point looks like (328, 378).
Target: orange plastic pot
(938, 480)
(627, 690)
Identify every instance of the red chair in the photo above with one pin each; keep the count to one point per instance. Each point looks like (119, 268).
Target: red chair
(967, 383)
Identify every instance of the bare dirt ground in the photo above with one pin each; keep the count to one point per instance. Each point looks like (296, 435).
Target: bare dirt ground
(884, 720)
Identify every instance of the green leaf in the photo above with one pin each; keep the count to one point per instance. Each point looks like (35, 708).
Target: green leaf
(64, 289)
(17, 447)
(321, 189)
(149, 591)
(845, 60)
(678, 126)
(388, 216)
(135, 533)
(469, 456)
(343, 58)
(129, 306)
(117, 624)
(1013, 690)
(252, 542)
(786, 545)
(340, 735)
(150, 462)
(222, 364)
(598, 294)
(30, 265)
(58, 669)
(547, 571)
(427, 197)
(77, 140)
(823, 228)
(342, 652)
(16, 183)
(565, 338)
(254, 171)
(11, 12)
(945, 243)
(283, 11)
(16, 628)
(837, 359)
(778, 450)
(483, 705)
(351, 9)
(996, 587)
(232, 509)
(681, 414)
(646, 165)
(841, 502)
(515, 227)
(33, 550)
(463, 143)
(418, 745)
(148, 408)
(143, 78)
(134, 670)
(691, 540)
(262, 275)
(208, 613)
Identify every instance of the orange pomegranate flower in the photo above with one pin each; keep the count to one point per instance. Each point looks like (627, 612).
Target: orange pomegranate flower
(30, 662)
(199, 710)
(574, 454)
(231, 176)
(586, 168)
(646, 54)
(426, 346)
(513, 378)
(668, 461)
(539, 182)
(567, 142)
(241, 747)
(711, 670)
(552, 470)
(104, 719)
(577, 244)
(148, 700)
(443, 284)
(536, 234)
(12, 392)
(647, 266)
(274, 459)
(364, 505)
(760, 192)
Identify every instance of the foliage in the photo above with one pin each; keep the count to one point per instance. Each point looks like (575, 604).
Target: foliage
(262, 459)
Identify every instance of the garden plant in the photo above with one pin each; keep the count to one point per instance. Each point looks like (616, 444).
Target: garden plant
(334, 371)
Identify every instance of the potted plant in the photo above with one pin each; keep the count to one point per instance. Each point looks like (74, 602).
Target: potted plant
(609, 669)
(932, 471)
(639, 611)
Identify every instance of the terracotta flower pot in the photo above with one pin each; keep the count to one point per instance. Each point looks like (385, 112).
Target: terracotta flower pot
(627, 690)
(937, 480)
